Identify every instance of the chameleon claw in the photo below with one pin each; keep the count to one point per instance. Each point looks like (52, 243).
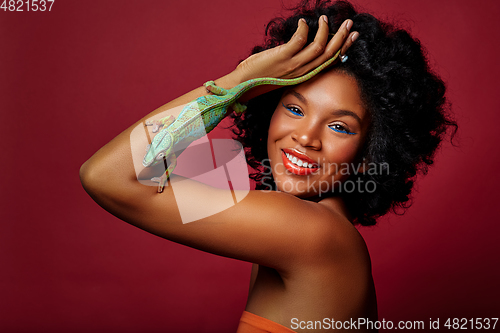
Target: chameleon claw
(156, 179)
(161, 182)
(163, 179)
(155, 125)
(238, 107)
(163, 122)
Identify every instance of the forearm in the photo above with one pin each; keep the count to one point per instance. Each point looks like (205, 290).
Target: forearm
(110, 173)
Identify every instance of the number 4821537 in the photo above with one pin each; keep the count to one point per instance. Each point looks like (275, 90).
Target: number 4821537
(29, 5)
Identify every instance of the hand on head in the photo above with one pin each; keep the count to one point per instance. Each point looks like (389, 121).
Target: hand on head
(294, 58)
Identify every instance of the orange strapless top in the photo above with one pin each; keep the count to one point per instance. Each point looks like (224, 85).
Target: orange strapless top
(250, 323)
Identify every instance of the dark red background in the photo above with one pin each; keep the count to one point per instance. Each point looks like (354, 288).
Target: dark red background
(73, 78)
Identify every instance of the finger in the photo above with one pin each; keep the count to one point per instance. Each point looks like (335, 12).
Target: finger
(331, 49)
(298, 40)
(317, 47)
(352, 37)
(339, 38)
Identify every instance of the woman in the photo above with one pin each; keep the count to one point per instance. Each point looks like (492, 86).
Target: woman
(371, 121)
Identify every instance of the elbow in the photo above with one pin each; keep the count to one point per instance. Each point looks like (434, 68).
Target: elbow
(83, 172)
(87, 177)
(95, 178)
(92, 177)
(107, 187)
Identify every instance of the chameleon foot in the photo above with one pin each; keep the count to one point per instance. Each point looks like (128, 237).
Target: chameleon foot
(163, 179)
(211, 87)
(163, 122)
(238, 107)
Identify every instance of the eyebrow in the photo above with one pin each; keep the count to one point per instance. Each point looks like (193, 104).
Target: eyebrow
(335, 113)
(296, 94)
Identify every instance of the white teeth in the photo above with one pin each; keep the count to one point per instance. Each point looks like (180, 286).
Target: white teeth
(297, 161)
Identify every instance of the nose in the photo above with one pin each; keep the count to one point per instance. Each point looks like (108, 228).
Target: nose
(308, 134)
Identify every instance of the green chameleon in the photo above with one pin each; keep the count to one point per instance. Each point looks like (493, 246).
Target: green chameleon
(201, 116)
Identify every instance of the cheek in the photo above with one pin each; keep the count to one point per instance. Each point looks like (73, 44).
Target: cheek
(342, 152)
(278, 128)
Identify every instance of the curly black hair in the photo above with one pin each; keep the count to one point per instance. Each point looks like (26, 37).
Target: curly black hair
(406, 101)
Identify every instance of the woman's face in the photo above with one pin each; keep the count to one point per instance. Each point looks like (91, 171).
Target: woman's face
(316, 134)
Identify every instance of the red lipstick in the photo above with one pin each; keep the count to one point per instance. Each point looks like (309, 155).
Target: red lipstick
(294, 168)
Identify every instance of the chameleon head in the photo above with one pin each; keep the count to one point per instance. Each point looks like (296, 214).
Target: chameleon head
(159, 148)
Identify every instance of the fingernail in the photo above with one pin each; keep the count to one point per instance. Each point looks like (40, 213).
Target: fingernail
(355, 36)
(325, 18)
(303, 20)
(348, 25)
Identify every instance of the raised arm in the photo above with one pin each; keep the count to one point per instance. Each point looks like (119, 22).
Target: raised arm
(266, 228)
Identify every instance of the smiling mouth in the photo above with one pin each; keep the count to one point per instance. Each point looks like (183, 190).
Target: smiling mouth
(296, 164)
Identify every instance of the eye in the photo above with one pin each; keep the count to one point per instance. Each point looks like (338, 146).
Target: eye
(341, 129)
(295, 111)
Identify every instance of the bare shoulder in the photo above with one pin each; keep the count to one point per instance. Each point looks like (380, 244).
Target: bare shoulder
(339, 237)
(336, 267)
(345, 260)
